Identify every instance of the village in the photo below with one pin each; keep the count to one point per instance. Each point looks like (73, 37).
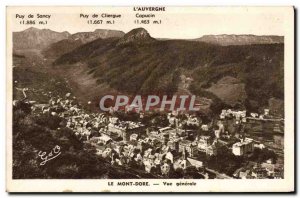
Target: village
(183, 142)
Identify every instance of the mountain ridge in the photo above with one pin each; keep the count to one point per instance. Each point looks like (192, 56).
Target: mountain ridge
(78, 39)
(137, 63)
(138, 66)
(240, 39)
(97, 33)
(35, 38)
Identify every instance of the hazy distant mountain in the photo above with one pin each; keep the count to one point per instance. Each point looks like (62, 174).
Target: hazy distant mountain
(33, 38)
(138, 63)
(232, 39)
(75, 40)
(86, 37)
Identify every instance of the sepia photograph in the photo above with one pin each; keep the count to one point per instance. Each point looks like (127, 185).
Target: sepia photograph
(150, 99)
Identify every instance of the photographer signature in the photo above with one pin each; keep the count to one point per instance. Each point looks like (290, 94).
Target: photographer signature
(47, 157)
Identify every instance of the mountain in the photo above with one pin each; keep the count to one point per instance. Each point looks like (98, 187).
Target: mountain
(138, 35)
(86, 37)
(75, 40)
(61, 47)
(232, 39)
(139, 64)
(33, 38)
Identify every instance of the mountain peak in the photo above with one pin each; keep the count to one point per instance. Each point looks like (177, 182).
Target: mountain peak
(34, 38)
(32, 29)
(139, 32)
(138, 35)
(37, 30)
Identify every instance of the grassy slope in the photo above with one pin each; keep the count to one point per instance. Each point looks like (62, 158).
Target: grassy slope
(155, 67)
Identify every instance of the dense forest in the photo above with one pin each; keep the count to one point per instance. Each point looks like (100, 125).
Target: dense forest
(155, 67)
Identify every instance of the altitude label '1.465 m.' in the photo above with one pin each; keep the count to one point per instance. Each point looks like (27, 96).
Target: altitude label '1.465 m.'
(166, 99)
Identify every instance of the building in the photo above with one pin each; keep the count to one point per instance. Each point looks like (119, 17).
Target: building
(184, 145)
(195, 163)
(165, 168)
(204, 127)
(278, 174)
(106, 153)
(140, 144)
(266, 112)
(126, 129)
(254, 115)
(104, 140)
(192, 121)
(211, 150)
(194, 150)
(204, 142)
(259, 173)
(259, 146)
(170, 157)
(165, 129)
(243, 173)
(173, 144)
(190, 147)
(133, 137)
(246, 146)
(99, 149)
(179, 164)
(229, 113)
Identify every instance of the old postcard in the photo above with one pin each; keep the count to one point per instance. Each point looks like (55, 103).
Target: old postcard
(150, 99)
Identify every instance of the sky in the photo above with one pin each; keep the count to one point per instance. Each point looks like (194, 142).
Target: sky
(176, 22)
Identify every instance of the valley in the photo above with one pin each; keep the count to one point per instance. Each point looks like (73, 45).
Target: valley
(64, 80)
